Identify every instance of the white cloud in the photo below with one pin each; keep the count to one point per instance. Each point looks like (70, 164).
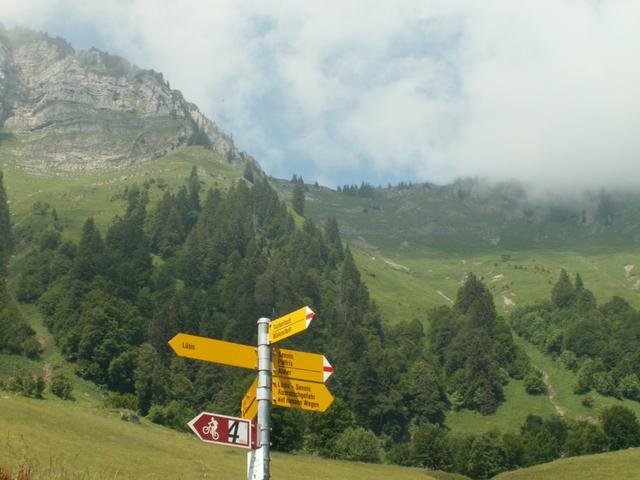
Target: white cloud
(546, 91)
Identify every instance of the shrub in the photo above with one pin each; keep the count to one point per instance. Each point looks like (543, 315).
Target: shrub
(533, 383)
(175, 414)
(629, 386)
(39, 386)
(358, 444)
(585, 438)
(27, 385)
(587, 401)
(569, 360)
(61, 386)
(430, 446)
(621, 427)
(604, 384)
(122, 400)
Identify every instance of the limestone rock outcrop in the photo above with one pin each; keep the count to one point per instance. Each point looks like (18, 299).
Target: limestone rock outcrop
(88, 110)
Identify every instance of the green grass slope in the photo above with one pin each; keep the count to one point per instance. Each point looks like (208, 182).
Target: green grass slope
(99, 194)
(65, 440)
(518, 404)
(85, 393)
(622, 465)
(414, 246)
(406, 284)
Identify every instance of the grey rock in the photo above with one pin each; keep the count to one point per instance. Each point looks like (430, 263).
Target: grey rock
(88, 110)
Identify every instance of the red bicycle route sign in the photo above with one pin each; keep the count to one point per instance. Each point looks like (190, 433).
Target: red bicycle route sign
(223, 430)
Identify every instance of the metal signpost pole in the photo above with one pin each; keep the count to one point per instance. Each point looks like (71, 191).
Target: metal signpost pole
(264, 393)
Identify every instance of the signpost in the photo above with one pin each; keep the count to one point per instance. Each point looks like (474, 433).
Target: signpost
(221, 429)
(291, 393)
(255, 465)
(215, 351)
(290, 324)
(314, 397)
(301, 365)
(249, 405)
(286, 363)
(286, 378)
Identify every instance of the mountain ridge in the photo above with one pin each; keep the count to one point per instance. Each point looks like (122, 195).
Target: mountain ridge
(87, 110)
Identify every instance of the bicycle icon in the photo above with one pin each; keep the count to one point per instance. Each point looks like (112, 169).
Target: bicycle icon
(211, 428)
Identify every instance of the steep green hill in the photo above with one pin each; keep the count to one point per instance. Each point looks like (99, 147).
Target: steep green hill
(605, 466)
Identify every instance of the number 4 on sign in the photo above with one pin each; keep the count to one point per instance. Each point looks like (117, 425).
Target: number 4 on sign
(222, 429)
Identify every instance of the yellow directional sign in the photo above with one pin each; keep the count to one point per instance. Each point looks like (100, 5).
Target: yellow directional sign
(300, 394)
(288, 393)
(216, 351)
(290, 324)
(300, 365)
(249, 406)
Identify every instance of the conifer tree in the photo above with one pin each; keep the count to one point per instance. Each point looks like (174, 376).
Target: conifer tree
(194, 189)
(166, 226)
(298, 198)
(150, 379)
(5, 229)
(248, 172)
(563, 294)
(332, 234)
(475, 300)
(90, 260)
(129, 248)
(480, 382)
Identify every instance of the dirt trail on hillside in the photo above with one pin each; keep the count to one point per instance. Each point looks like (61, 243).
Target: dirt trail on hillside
(552, 394)
(445, 297)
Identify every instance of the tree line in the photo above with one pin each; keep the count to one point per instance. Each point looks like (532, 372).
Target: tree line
(211, 263)
(538, 440)
(600, 343)
(16, 336)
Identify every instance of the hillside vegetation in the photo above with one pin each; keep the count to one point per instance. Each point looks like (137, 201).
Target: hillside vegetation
(416, 243)
(102, 195)
(56, 439)
(605, 466)
(164, 256)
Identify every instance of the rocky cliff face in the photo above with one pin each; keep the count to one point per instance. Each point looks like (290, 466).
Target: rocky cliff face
(87, 110)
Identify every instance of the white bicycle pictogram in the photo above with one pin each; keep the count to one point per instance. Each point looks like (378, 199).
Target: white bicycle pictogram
(211, 428)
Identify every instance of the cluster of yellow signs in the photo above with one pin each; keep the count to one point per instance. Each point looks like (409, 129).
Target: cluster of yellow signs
(297, 377)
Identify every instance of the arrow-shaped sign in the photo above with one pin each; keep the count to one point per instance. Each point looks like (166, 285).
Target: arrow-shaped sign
(249, 405)
(216, 351)
(315, 397)
(288, 365)
(286, 392)
(290, 324)
(285, 363)
(221, 429)
(300, 365)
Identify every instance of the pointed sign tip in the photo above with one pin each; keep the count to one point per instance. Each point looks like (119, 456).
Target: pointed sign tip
(173, 342)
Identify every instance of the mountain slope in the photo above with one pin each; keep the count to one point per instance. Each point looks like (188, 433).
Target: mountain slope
(416, 243)
(88, 110)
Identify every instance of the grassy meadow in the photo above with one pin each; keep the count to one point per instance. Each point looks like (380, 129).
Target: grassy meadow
(77, 196)
(407, 284)
(518, 404)
(56, 439)
(621, 465)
